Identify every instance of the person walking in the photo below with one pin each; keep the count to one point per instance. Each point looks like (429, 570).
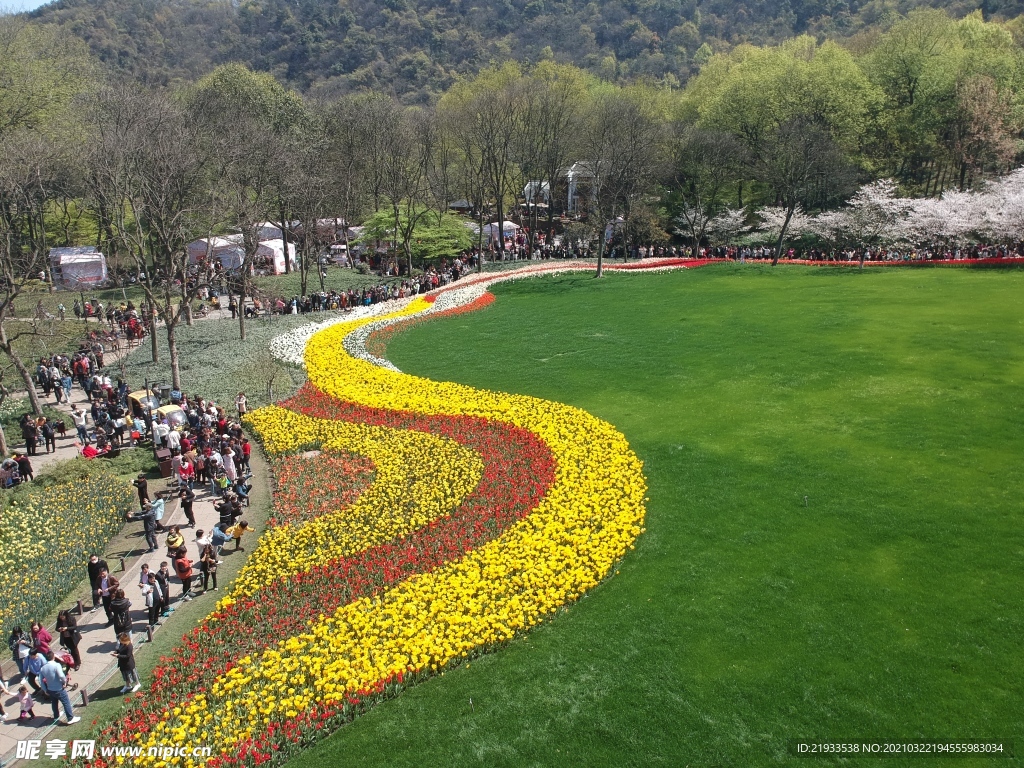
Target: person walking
(27, 703)
(55, 685)
(219, 538)
(33, 665)
(107, 587)
(143, 486)
(20, 644)
(41, 638)
(149, 524)
(163, 580)
(208, 565)
(24, 467)
(183, 567)
(6, 692)
(49, 436)
(187, 497)
(95, 566)
(80, 417)
(120, 608)
(125, 656)
(154, 598)
(70, 636)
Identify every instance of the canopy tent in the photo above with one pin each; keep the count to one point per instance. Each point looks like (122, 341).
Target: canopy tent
(230, 252)
(270, 257)
(227, 250)
(79, 267)
(507, 227)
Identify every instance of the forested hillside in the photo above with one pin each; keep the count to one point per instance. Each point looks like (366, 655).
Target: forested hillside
(416, 48)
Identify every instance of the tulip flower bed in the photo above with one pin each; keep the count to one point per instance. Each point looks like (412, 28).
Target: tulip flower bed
(47, 532)
(308, 487)
(486, 513)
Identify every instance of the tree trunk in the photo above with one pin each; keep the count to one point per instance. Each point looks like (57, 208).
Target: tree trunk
(3, 442)
(284, 240)
(600, 256)
(152, 336)
(241, 307)
(480, 240)
(188, 304)
(23, 372)
(782, 235)
(172, 346)
(501, 227)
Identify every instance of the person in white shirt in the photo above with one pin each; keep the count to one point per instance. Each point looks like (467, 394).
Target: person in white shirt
(80, 417)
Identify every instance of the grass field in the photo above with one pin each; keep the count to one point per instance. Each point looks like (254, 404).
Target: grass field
(835, 537)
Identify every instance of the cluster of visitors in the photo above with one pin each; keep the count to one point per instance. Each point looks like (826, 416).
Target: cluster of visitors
(45, 671)
(209, 455)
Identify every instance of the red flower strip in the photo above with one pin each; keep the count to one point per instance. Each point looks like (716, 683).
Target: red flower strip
(518, 468)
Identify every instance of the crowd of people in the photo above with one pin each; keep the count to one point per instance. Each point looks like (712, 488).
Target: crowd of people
(209, 456)
(433, 277)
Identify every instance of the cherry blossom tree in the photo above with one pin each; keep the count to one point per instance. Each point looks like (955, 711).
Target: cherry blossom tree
(727, 225)
(875, 214)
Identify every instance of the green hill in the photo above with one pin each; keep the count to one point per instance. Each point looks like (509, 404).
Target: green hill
(418, 47)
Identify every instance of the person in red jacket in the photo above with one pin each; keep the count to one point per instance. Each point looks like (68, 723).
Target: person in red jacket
(245, 453)
(183, 567)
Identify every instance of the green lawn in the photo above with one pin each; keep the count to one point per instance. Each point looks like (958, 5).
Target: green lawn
(888, 606)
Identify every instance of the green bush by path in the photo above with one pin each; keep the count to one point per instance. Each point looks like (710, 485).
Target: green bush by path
(888, 607)
(47, 530)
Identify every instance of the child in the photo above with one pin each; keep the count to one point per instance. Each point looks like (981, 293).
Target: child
(7, 692)
(126, 663)
(27, 702)
(237, 532)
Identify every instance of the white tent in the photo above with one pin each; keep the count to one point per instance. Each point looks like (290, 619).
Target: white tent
(227, 250)
(270, 257)
(79, 267)
(230, 252)
(508, 227)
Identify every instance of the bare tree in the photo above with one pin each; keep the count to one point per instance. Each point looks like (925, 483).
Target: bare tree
(31, 171)
(622, 145)
(152, 174)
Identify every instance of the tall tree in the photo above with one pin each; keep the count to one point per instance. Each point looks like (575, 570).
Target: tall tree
(704, 164)
(152, 171)
(802, 167)
(623, 144)
(488, 114)
(32, 167)
(247, 123)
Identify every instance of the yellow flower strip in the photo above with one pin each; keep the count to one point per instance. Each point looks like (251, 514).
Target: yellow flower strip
(589, 518)
(420, 477)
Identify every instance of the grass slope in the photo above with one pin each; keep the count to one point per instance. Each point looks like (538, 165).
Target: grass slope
(888, 607)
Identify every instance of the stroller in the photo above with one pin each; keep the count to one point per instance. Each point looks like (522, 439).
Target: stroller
(65, 660)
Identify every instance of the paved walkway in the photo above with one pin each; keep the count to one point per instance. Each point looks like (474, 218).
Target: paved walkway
(99, 669)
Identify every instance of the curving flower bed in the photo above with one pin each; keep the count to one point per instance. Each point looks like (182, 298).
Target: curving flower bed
(486, 512)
